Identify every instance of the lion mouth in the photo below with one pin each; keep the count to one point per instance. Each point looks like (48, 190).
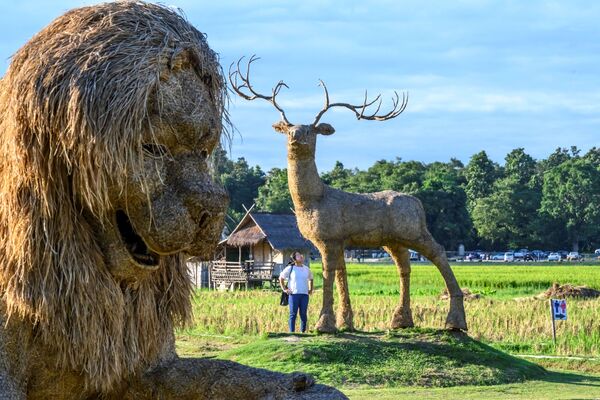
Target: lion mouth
(137, 248)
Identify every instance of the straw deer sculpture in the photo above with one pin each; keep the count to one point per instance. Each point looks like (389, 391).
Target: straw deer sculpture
(333, 219)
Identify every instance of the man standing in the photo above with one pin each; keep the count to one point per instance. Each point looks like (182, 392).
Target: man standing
(299, 287)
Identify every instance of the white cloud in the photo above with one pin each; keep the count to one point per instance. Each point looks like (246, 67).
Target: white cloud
(446, 98)
(480, 74)
(492, 100)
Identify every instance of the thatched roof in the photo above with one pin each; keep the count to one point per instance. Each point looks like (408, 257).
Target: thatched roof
(279, 230)
(246, 236)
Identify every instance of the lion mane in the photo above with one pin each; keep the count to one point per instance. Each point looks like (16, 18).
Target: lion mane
(74, 104)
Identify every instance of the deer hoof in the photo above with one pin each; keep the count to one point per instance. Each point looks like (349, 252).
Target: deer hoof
(456, 322)
(346, 326)
(402, 319)
(326, 324)
(344, 321)
(456, 319)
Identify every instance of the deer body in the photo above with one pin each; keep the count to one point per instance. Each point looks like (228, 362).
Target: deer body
(334, 212)
(383, 215)
(333, 219)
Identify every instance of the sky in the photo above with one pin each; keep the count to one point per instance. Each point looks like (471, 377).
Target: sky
(480, 75)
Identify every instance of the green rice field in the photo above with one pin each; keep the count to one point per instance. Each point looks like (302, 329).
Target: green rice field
(507, 316)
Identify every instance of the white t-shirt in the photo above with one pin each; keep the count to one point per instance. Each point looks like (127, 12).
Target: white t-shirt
(297, 278)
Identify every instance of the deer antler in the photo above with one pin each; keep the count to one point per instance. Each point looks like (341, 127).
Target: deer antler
(245, 80)
(359, 110)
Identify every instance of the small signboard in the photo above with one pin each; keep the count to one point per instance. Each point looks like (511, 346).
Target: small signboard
(559, 309)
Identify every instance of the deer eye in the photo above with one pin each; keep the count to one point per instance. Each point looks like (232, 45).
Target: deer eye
(155, 150)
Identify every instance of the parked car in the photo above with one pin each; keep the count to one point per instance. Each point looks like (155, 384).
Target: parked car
(539, 254)
(473, 257)
(509, 256)
(554, 257)
(528, 257)
(521, 253)
(574, 256)
(497, 257)
(414, 256)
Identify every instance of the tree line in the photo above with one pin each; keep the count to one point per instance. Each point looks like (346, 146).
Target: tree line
(552, 203)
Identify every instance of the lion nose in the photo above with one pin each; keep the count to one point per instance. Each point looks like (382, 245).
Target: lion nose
(207, 204)
(205, 201)
(207, 211)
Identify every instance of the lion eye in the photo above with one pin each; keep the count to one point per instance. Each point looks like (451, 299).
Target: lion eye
(155, 150)
(207, 80)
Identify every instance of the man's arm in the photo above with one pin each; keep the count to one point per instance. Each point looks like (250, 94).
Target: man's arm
(285, 274)
(282, 285)
(310, 286)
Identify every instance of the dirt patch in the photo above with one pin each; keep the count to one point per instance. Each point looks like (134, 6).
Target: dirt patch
(558, 291)
(467, 295)
(291, 339)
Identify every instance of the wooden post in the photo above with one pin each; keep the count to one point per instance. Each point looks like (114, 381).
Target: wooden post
(553, 323)
(240, 255)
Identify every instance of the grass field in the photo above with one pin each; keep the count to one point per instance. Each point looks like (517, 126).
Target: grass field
(556, 386)
(507, 317)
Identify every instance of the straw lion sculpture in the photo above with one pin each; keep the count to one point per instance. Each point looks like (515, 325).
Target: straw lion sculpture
(107, 117)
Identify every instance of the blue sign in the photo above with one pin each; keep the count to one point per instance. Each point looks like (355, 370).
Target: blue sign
(559, 309)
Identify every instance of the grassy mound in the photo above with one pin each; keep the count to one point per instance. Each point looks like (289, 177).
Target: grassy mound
(414, 357)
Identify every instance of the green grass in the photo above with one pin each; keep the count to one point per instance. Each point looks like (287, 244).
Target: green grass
(507, 317)
(555, 386)
(414, 357)
(517, 326)
(249, 326)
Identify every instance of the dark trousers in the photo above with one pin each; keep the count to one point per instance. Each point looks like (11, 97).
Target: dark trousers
(298, 302)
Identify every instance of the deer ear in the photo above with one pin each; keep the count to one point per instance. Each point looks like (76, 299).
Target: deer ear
(325, 129)
(281, 127)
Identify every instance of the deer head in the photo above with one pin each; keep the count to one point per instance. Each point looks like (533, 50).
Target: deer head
(302, 137)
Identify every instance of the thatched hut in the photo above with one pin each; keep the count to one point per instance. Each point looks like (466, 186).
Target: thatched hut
(258, 249)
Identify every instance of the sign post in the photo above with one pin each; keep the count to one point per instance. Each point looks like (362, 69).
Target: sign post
(558, 308)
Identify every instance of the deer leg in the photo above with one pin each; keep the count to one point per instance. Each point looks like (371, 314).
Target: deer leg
(402, 317)
(329, 254)
(456, 319)
(344, 315)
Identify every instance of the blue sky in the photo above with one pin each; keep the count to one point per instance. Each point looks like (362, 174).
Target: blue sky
(481, 75)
